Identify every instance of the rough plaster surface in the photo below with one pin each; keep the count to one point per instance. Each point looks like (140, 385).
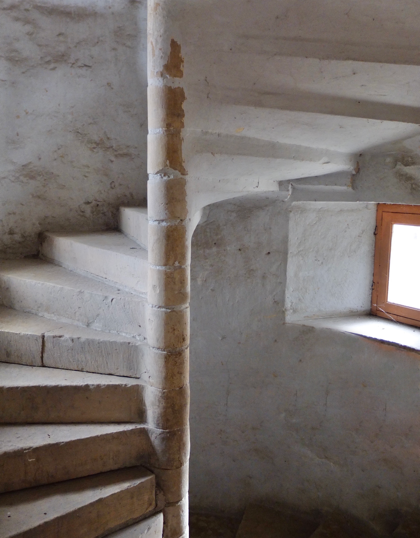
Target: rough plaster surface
(330, 259)
(312, 417)
(73, 131)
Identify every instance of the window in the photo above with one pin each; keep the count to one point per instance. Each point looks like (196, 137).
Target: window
(396, 279)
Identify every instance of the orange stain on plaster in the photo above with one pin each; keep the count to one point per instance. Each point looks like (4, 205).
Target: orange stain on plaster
(174, 67)
(240, 129)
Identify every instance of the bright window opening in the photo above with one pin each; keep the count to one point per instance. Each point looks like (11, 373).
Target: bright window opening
(396, 280)
(404, 266)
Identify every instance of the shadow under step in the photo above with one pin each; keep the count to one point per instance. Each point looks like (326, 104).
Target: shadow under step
(83, 508)
(261, 521)
(31, 395)
(34, 455)
(409, 526)
(287, 522)
(37, 341)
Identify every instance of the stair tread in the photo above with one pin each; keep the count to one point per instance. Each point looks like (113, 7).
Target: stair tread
(46, 272)
(37, 454)
(27, 437)
(151, 527)
(18, 375)
(21, 322)
(42, 288)
(108, 256)
(80, 508)
(108, 241)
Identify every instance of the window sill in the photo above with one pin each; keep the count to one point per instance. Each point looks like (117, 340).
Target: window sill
(370, 327)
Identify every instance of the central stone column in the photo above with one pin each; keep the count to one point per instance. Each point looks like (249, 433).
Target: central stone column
(169, 269)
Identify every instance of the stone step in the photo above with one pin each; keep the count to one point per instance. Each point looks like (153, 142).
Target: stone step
(409, 526)
(134, 224)
(83, 508)
(45, 289)
(35, 455)
(341, 525)
(30, 395)
(152, 527)
(36, 341)
(110, 256)
(261, 521)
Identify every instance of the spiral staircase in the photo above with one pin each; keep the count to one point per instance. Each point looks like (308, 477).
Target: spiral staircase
(94, 333)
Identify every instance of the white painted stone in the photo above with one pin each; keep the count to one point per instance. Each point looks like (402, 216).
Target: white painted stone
(33, 455)
(49, 395)
(48, 290)
(151, 527)
(36, 341)
(82, 508)
(304, 415)
(133, 223)
(107, 255)
(77, 112)
(330, 259)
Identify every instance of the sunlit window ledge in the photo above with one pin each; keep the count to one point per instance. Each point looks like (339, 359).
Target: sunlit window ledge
(370, 327)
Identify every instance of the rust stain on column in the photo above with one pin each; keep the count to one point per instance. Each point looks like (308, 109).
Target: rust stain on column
(174, 67)
(166, 107)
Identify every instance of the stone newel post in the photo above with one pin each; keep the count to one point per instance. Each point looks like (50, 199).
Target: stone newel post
(169, 269)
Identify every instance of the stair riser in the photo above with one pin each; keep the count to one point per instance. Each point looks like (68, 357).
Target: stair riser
(134, 224)
(57, 462)
(71, 404)
(126, 271)
(122, 315)
(72, 353)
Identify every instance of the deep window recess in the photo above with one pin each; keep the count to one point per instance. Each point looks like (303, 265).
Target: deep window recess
(396, 279)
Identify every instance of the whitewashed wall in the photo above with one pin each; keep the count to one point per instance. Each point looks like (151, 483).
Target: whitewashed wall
(73, 106)
(286, 413)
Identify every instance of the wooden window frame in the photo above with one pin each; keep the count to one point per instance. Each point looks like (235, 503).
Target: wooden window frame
(387, 216)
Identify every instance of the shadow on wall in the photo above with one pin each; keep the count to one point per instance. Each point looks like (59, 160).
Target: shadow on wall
(280, 412)
(75, 116)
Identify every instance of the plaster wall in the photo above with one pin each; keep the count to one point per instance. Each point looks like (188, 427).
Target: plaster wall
(282, 412)
(330, 259)
(74, 124)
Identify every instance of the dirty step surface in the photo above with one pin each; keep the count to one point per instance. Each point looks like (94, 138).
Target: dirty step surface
(34, 455)
(82, 508)
(37, 341)
(107, 255)
(48, 290)
(134, 224)
(50, 395)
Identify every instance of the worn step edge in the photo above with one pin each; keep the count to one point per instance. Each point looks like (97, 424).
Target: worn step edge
(31, 394)
(81, 508)
(36, 341)
(122, 262)
(34, 455)
(133, 223)
(86, 399)
(48, 290)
